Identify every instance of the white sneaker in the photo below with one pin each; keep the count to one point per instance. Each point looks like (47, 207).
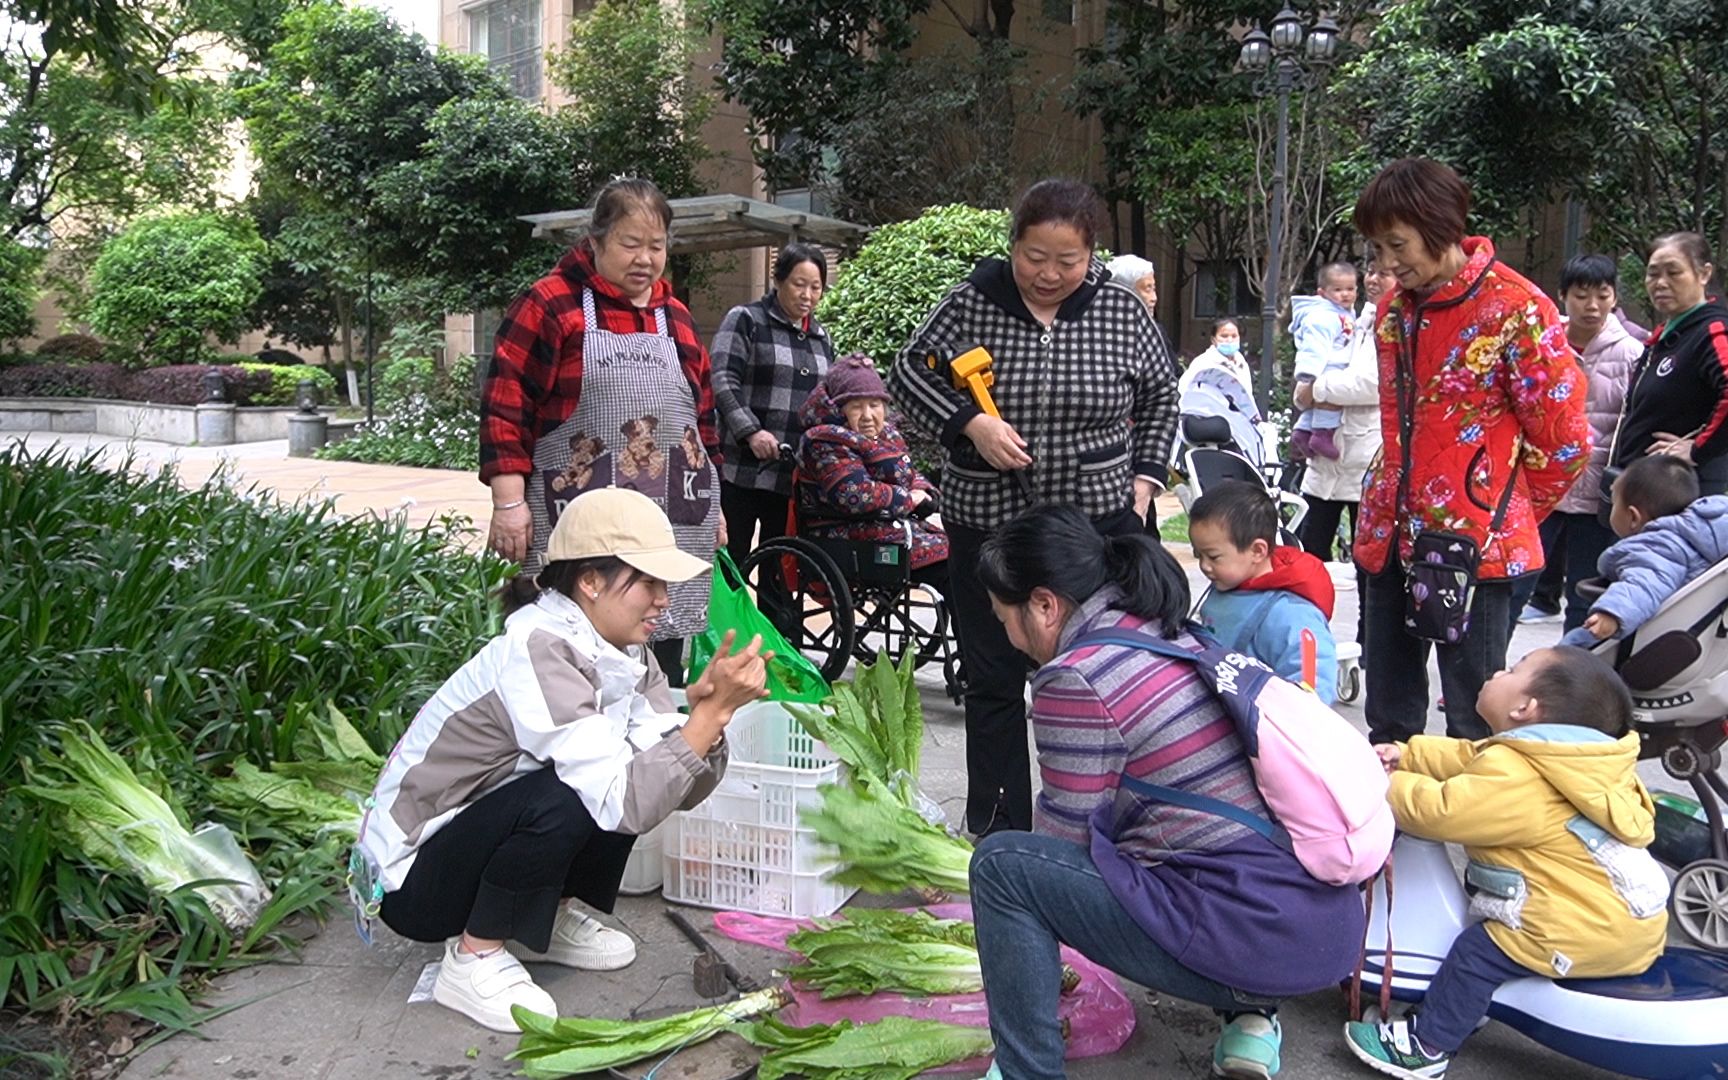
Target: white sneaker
(581, 941)
(483, 988)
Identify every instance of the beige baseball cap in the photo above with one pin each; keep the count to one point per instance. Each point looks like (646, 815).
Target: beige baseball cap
(626, 525)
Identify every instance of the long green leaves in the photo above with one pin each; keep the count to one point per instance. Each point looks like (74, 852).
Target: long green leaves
(875, 724)
(886, 846)
(552, 1047)
(893, 1048)
(196, 630)
(872, 949)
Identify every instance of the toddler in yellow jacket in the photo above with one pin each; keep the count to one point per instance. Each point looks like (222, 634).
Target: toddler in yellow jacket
(1555, 823)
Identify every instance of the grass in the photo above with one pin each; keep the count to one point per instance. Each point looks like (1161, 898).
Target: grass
(1174, 527)
(191, 629)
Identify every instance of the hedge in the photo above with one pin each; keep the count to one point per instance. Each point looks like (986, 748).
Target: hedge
(180, 384)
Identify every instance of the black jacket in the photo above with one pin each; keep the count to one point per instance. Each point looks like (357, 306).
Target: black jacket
(1681, 386)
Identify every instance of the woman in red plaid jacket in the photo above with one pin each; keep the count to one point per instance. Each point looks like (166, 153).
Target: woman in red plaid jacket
(598, 379)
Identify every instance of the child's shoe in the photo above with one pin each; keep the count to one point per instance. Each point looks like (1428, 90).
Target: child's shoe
(1300, 440)
(1322, 444)
(1392, 1048)
(1247, 1048)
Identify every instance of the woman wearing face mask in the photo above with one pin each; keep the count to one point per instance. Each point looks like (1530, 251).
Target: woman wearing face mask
(768, 357)
(1224, 352)
(1483, 423)
(600, 349)
(1086, 393)
(1678, 403)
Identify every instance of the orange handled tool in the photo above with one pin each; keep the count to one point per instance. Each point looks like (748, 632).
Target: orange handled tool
(968, 368)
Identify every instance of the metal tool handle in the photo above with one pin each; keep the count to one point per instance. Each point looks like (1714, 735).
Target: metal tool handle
(700, 940)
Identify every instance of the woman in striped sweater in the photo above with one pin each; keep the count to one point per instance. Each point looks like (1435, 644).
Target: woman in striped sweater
(1194, 905)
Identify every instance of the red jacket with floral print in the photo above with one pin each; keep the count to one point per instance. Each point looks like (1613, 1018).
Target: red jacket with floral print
(1484, 357)
(858, 487)
(535, 379)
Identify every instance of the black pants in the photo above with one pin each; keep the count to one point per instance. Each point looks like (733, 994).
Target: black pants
(998, 764)
(1572, 544)
(669, 654)
(501, 867)
(1320, 537)
(744, 508)
(1397, 663)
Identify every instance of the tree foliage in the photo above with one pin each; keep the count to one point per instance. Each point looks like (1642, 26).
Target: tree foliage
(167, 282)
(802, 69)
(1618, 103)
(20, 267)
(885, 290)
(637, 104)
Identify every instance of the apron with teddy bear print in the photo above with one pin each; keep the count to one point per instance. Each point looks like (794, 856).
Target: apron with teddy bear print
(634, 427)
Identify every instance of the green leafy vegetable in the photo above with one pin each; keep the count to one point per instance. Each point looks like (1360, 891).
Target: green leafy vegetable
(552, 1047)
(120, 824)
(875, 724)
(907, 952)
(885, 846)
(894, 1048)
(291, 805)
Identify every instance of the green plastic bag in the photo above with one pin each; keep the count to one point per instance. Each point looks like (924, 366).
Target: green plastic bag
(790, 676)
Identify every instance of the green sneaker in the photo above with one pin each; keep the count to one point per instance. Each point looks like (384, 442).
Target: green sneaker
(1247, 1048)
(1392, 1048)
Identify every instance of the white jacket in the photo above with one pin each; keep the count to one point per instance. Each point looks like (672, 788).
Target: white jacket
(1356, 390)
(548, 692)
(1235, 365)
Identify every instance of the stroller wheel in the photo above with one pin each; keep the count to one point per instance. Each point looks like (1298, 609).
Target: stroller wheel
(1699, 904)
(1350, 686)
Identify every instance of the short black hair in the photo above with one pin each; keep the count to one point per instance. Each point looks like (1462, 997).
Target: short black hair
(1578, 687)
(1339, 268)
(1247, 511)
(1658, 485)
(794, 255)
(1589, 271)
(1063, 202)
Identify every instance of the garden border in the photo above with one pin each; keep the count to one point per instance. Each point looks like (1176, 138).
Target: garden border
(176, 424)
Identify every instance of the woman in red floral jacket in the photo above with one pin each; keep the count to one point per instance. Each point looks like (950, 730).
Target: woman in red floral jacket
(857, 480)
(1479, 405)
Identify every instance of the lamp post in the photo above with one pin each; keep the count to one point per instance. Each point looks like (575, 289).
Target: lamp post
(1280, 60)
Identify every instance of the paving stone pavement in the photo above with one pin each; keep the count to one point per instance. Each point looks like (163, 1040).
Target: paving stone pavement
(339, 1011)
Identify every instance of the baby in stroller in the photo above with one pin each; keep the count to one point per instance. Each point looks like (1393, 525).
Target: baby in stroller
(858, 478)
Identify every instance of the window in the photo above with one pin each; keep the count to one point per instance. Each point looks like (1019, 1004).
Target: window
(507, 34)
(1221, 288)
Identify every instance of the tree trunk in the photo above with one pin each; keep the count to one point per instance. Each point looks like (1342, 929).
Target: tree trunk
(345, 317)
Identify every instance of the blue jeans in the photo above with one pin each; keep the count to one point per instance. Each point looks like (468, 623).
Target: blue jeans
(1463, 988)
(1031, 892)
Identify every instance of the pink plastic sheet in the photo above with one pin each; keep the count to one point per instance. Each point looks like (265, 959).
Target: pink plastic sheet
(1100, 1016)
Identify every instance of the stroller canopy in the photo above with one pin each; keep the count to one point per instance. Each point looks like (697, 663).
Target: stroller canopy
(1216, 392)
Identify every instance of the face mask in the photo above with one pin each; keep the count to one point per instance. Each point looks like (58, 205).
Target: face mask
(1227, 348)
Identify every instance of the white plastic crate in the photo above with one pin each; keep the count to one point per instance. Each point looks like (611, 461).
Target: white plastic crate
(743, 849)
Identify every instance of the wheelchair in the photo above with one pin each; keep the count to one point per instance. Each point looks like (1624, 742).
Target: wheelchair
(839, 600)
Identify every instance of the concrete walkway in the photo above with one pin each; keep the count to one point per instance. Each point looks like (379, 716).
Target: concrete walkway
(341, 1012)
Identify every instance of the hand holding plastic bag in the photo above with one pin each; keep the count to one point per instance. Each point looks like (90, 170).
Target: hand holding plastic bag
(790, 676)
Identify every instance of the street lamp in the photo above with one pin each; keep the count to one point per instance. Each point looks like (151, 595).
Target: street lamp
(1280, 60)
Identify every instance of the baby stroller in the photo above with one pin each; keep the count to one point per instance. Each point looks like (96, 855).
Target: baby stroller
(1676, 666)
(1219, 441)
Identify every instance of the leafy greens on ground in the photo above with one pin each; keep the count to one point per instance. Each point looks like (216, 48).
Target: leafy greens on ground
(886, 846)
(893, 1048)
(551, 1047)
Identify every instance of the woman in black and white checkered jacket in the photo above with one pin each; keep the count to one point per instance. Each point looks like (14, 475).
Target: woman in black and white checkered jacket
(1087, 395)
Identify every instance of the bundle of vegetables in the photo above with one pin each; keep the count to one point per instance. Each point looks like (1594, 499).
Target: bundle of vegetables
(893, 1048)
(552, 1047)
(906, 952)
(331, 754)
(875, 724)
(884, 845)
(119, 823)
(285, 804)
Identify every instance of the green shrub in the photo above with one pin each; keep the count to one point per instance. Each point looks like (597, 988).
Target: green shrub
(20, 282)
(429, 418)
(74, 347)
(168, 282)
(193, 629)
(285, 383)
(884, 291)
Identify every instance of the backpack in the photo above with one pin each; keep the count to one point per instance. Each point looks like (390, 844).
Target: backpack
(1321, 779)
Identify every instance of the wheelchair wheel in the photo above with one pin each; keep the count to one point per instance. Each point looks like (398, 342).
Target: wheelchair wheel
(895, 623)
(801, 592)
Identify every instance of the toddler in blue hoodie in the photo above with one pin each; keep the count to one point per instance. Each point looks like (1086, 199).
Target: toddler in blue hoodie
(1263, 596)
(1668, 536)
(1324, 326)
